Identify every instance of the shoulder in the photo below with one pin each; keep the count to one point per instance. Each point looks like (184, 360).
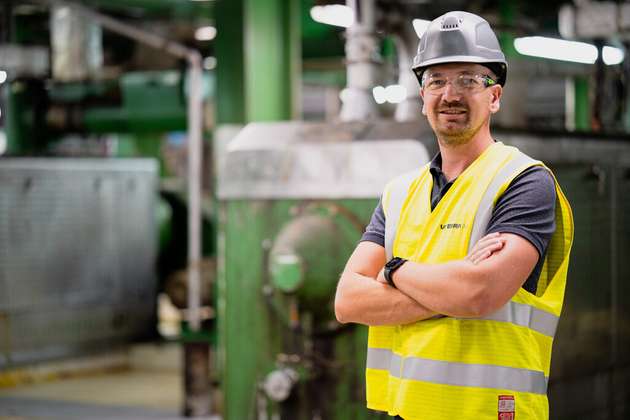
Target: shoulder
(536, 180)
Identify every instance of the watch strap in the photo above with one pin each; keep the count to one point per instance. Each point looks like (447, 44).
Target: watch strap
(391, 266)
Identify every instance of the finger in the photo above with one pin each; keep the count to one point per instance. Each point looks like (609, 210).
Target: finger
(490, 243)
(488, 252)
(481, 257)
(487, 239)
(489, 247)
(494, 244)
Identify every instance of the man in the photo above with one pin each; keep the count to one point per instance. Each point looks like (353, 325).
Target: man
(461, 324)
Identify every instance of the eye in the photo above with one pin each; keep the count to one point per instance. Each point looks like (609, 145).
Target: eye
(468, 81)
(436, 83)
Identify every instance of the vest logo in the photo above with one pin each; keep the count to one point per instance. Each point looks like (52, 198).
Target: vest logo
(452, 226)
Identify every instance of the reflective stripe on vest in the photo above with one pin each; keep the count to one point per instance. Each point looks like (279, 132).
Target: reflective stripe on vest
(459, 374)
(395, 200)
(486, 206)
(526, 316)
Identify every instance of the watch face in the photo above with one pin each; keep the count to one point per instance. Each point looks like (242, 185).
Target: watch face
(393, 262)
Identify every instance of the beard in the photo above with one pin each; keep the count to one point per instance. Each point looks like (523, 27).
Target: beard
(458, 131)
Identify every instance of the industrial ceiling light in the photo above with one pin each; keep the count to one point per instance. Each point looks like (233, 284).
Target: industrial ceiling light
(209, 63)
(333, 14)
(561, 49)
(379, 94)
(420, 26)
(612, 55)
(205, 33)
(393, 94)
(556, 49)
(3, 76)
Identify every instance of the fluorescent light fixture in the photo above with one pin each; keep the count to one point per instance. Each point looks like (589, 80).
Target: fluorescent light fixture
(3, 76)
(209, 63)
(420, 26)
(561, 49)
(333, 14)
(205, 33)
(395, 93)
(612, 55)
(379, 94)
(556, 49)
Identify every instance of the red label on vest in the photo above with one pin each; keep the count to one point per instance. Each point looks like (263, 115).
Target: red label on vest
(506, 407)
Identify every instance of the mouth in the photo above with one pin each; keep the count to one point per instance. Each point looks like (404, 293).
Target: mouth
(452, 111)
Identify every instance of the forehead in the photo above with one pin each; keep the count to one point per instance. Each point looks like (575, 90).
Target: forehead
(456, 68)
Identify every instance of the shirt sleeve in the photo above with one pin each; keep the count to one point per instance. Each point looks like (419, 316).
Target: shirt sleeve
(375, 230)
(527, 208)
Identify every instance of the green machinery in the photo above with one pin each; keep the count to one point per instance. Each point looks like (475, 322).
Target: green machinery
(141, 103)
(294, 200)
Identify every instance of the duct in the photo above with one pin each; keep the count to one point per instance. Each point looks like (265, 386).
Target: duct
(362, 55)
(77, 50)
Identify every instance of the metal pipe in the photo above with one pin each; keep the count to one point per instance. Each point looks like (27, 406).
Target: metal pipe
(195, 150)
(131, 32)
(194, 132)
(410, 108)
(362, 57)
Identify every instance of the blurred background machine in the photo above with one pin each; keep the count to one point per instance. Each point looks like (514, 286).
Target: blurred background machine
(307, 108)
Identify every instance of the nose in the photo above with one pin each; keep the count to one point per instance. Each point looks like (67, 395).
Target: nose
(450, 92)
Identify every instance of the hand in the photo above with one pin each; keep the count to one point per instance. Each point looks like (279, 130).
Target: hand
(381, 277)
(485, 247)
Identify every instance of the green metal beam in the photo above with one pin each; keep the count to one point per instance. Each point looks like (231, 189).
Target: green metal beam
(272, 59)
(229, 47)
(582, 107)
(508, 12)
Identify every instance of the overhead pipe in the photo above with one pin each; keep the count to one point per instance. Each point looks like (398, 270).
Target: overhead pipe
(197, 404)
(362, 61)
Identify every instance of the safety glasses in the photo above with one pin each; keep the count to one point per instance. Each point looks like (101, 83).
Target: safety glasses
(462, 83)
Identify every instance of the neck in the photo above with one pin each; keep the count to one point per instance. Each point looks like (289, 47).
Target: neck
(457, 157)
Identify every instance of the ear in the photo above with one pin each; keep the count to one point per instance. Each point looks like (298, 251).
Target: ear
(424, 108)
(495, 99)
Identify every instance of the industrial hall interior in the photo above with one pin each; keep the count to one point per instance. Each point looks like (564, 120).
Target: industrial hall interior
(191, 193)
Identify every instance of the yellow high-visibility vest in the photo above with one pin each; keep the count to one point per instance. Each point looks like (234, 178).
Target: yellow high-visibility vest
(455, 368)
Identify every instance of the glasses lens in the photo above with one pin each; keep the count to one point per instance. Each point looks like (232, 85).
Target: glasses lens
(463, 83)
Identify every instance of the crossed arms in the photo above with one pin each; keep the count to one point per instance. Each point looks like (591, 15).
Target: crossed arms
(475, 286)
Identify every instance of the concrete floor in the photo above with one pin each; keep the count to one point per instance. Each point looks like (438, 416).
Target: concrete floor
(149, 386)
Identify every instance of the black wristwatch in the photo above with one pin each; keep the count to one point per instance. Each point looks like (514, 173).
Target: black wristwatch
(391, 266)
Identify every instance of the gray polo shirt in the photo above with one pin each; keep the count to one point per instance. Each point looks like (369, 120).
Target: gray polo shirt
(526, 208)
